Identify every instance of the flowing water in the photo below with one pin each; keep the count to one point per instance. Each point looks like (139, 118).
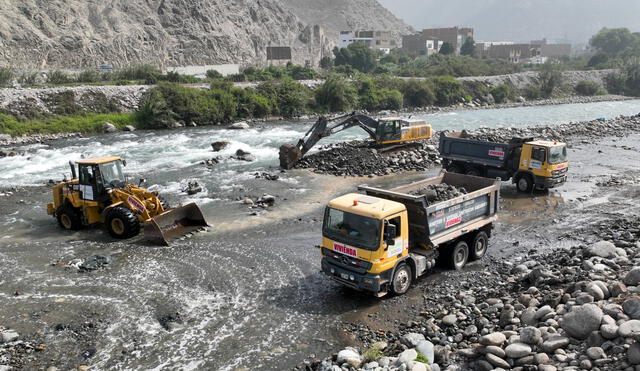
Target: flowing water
(247, 294)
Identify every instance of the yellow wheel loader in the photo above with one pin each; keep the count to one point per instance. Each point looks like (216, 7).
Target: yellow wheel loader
(99, 193)
(387, 133)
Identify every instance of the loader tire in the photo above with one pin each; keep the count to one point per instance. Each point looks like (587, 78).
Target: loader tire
(69, 218)
(122, 223)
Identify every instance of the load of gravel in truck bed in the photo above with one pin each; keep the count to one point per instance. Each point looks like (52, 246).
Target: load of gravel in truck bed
(439, 192)
(358, 158)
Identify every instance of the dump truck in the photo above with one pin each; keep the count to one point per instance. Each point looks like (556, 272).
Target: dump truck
(529, 163)
(99, 193)
(381, 240)
(387, 134)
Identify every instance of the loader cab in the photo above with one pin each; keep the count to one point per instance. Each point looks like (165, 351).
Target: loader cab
(97, 175)
(395, 130)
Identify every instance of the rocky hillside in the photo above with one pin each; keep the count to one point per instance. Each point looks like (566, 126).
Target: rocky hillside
(77, 34)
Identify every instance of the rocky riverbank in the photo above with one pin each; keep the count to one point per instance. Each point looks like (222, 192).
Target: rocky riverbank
(570, 309)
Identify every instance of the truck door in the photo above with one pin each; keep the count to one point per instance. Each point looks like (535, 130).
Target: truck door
(87, 183)
(538, 158)
(393, 233)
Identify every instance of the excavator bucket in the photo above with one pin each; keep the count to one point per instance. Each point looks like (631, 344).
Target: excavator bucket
(289, 155)
(174, 223)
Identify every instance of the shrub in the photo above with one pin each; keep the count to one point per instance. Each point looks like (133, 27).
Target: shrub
(58, 77)
(89, 76)
(27, 78)
(372, 354)
(144, 72)
(336, 94)
(64, 103)
(213, 75)
(448, 90)
(586, 87)
(154, 111)
(500, 93)
(64, 124)
(6, 76)
(532, 92)
(389, 99)
(550, 77)
(418, 94)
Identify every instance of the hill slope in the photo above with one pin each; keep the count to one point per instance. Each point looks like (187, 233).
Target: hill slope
(82, 33)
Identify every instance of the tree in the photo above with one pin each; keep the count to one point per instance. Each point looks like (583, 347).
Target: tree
(326, 63)
(336, 94)
(614, 41)
(446, 49)
(469, 47)
(550, 77)
(358, 55)
(418, 94)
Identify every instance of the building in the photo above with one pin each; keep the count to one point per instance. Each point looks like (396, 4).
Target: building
(456, 36)
(421, 44)
(536, 51)
(378, 40)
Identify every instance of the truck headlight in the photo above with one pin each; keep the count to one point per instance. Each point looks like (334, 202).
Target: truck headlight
(333, 270)
(352, 278)
(368, 281)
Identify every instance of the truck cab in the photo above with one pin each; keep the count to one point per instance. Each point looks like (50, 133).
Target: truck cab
(542, 164)
(363, 237)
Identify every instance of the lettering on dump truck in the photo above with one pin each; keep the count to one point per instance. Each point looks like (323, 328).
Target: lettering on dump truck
(347, 250)
(453, 221)
(496, 152)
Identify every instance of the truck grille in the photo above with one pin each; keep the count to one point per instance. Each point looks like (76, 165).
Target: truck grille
(345, 261)
(559, 173)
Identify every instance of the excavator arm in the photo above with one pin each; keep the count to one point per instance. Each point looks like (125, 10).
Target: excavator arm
(324, 127)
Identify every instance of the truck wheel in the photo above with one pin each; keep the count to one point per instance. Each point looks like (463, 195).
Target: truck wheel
(524, 183)
(459, 255)
(479, 246)
(69, 218)
(473, 171)
(455, 169)
(401, 280)
(122, 223)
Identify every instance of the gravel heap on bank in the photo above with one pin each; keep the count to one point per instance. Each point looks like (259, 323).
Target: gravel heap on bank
(570, 309)
(439, 192)
(357, 158)
(620, 126)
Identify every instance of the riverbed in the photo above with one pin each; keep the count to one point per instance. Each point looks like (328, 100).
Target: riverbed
(246, 294)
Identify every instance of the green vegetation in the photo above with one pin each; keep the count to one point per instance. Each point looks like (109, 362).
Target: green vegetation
(469, 47)
(627, 81)
(422, 358)
(357, 55)
(372, 354)
(291, 71)
(501, 93)
(90, 123)
(587, 88)
(337, 94)
(550, 77)
(446, 49)
(616, 47)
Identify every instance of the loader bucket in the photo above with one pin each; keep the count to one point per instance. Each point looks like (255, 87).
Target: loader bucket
(174, 223)
(289, 155)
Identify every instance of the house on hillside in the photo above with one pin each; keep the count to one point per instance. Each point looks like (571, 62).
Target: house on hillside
(378, 40)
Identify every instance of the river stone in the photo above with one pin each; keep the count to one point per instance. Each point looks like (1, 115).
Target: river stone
(596, 292)
(517, 350)
(530, 335)
(129, 128)
(596, 353)
(8, 336)
(412, 339)
(609, 331)
(541, 358)
(220, 145)
(495, 350)
(630, 329)
(497, 361)
(580, 321)
(603, 249)
(557, 342)
(349, 355)
(633, 277)
(239, 126)
(633, 354)
(5, 137)
(419, 366)
(425, 347)
(407, 356)
(495, 338)
(631, 308)
(450, 319)
(108, 127)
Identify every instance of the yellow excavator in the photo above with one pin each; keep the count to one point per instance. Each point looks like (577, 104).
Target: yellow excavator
(100, 193)
(387, 133)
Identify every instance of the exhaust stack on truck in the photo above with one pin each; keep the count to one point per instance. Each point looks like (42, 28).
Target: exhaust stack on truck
(382, 240)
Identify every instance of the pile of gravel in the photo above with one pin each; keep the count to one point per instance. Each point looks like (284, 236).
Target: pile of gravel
(358, 158)
(439, 192)
(570, 309)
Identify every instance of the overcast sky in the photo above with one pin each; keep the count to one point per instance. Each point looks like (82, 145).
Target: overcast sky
(521, 20)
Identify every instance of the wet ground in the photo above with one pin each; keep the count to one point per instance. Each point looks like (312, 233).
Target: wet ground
(248, 292)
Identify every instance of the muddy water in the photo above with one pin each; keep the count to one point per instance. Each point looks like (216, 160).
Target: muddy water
(248, 292)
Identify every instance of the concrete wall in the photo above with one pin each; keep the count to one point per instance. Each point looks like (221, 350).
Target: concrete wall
(201, 71)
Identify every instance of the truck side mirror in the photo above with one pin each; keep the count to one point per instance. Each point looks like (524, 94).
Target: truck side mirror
(124, 163)
(390, 234)
(142, 180)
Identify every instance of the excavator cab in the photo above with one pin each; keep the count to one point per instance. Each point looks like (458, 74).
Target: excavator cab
(400, 130)
(389, 130)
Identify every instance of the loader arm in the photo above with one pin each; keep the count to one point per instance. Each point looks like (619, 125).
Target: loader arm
(291, 154)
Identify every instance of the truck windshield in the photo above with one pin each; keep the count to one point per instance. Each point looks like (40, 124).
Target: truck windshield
(111, 171)
(557, 154)
(352, 229)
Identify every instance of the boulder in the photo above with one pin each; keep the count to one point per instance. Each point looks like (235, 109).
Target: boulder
(603, 249)
(630, 329)
(425, 347)
(411, 339)
(108, 127)
(244, 156)
(517, 350)
(631, 307)
(530, 335)
(129, 128)
(8, 336)
(239, 125)
(582, 320)
(220, 145)
(633, 277)
(407, 356)
(633, 354)
(5, 137)
(349, 355)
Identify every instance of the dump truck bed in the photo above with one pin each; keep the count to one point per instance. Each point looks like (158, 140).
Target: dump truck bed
(454, 146)
(437, 222)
